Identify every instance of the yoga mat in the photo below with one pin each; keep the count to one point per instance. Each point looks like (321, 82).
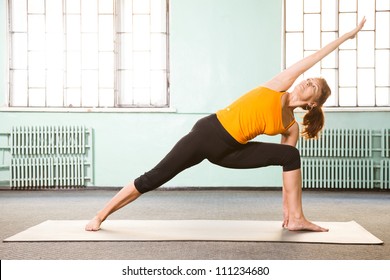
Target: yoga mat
(193, 230)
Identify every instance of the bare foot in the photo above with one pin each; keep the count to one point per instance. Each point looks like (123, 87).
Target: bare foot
(304, 225)
(94, 224)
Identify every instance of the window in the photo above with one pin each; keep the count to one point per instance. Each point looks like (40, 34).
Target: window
(88, 53)
(359, 71)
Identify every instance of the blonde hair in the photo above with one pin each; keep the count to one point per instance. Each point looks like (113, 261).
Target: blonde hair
(314, 119)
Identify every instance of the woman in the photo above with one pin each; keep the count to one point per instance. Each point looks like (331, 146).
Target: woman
(224, 138)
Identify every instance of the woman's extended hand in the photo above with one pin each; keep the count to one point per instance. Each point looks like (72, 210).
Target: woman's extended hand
(353, 32)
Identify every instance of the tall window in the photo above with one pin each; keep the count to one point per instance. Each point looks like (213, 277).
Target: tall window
(88, 53)
(359, 71)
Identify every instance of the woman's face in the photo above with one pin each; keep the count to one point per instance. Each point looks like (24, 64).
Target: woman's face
(309, 90)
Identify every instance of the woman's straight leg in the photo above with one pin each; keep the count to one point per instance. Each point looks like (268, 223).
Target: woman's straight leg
(188, 151)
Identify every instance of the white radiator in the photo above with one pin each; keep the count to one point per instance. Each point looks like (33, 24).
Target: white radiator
(50, 156)
(338, 173)
(339, 143)
(347, 159)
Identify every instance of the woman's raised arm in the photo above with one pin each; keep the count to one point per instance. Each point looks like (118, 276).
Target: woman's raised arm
(284, 80)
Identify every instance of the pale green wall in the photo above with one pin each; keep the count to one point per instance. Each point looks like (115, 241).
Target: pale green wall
(218, 50)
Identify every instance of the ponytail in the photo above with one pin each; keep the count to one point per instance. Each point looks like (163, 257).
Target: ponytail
(314, 119)
(313, 122)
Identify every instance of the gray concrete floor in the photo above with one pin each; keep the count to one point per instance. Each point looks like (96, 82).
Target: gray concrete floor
(23, 209)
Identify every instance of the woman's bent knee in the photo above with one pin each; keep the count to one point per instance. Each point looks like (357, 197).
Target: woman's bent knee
(292, 159)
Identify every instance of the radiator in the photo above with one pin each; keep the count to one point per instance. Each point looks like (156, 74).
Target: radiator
(50, 157)
(339, 143)
(48, 140)
(338, 173)
(346, 159)
(47, 172)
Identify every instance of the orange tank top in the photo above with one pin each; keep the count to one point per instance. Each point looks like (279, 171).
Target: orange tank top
(257, 112)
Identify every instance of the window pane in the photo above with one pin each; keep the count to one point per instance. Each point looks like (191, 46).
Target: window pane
(347, 22)
(18, 84)
(141, 96)
(366, 8)
(312, 6)
(37, 60)
(73, 97)
(158, 51)
(126, 51)
(89, 54)
(37, 97)
(89, 88)
(329, 15)
(312, 32)
(366, 87)
(294, 48)
(106, 98)
(382, 96)
(330, 61)
(89, 18)
(36, 78)
(54, 21)
(19, 15)
(106, 70)
(73, 66)
(126, 16)
(36, 28)
(19, 51)
(36, 41)
(347, 5)
(106, 6)
(73, 35)
(158, 16)
(106, 36)
(55, 85)
(141, 7)
(141, 79)
(141, 66)
(294, 17)
(382, 30)
(126, 88)
(347, 97)
(158, 86)
(141, 34)
(383, 68)
(36, 6)
(141, 61)
(55, 52)
(314, 71)
(383, 5)
(347, 68)
(72, 6)
(366, 49)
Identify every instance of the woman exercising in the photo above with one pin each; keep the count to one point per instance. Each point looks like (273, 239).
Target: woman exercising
(225, 138)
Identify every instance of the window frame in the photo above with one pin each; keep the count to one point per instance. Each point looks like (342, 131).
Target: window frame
(118, 108)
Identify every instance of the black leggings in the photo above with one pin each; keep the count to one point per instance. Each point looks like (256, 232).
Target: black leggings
(209, 140)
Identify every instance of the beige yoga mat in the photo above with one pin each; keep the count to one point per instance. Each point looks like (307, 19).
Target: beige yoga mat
(193, 230)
